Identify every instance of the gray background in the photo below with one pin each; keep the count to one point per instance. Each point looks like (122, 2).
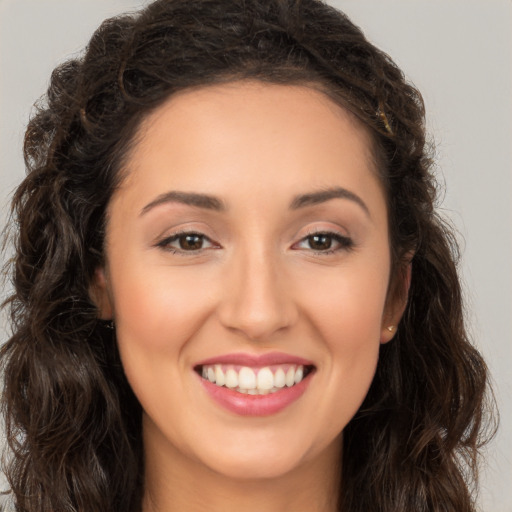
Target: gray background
(457, 52)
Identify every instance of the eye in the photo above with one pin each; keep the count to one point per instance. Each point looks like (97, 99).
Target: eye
(325, 242)
(186, 242)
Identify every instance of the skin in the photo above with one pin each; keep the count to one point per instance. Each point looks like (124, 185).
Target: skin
(255, 286)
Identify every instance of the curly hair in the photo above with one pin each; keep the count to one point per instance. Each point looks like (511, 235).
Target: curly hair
(73, 424)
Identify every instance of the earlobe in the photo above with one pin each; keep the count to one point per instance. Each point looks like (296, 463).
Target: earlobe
(397, 302)
(387, 333)
(99, 294)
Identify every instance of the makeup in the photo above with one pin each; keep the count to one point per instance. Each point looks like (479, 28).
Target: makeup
(248, 324)
(255, 385)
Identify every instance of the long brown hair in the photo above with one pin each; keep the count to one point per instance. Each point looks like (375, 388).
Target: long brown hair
(73, 425)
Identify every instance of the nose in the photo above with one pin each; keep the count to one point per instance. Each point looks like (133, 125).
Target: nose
(257, 299)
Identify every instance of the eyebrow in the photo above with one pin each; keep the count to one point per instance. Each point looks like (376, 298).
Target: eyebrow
(326, 195)
(209, 202)
(189, 198)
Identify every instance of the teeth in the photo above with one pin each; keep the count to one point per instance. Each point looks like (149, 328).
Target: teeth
(290, 377)
(279, 378)
(299, 374)
(253, 381)
(231, 378)
(247, 378)
(220, 379)
(265, 379)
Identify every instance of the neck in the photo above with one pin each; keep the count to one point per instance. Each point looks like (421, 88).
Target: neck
(176, 483)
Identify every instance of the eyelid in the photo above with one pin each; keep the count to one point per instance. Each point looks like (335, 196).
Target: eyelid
(164, 242)
(345, 242)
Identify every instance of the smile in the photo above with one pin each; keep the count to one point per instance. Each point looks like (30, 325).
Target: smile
(255, 385)
(253, 380)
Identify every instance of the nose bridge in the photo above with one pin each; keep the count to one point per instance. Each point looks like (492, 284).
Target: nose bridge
(255, 300)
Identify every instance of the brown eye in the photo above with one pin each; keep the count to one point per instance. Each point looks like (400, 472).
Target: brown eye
(325, 242)
(320, 242)
(186, 242)
(190, 242)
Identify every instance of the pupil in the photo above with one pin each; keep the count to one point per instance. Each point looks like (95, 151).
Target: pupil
(191, 242)
(320, 242)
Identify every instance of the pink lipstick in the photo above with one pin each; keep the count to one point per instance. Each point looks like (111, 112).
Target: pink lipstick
(255, 385)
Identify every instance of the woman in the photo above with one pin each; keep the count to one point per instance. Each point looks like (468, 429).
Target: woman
(230, 277)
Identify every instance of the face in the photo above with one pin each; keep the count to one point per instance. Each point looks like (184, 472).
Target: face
(247, 273)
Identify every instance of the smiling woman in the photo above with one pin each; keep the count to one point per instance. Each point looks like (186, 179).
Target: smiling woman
(230, 274)
(280, 306)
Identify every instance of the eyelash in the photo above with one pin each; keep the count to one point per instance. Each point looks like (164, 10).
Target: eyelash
(344, 242)
(165, 243)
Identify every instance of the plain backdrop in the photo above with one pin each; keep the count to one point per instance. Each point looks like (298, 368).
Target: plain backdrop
(457, 52)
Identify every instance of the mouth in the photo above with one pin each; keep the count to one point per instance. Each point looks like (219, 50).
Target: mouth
(255, 384)
(254, 380)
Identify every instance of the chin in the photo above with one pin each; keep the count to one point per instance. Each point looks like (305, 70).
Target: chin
(255, 468)
(266, 456)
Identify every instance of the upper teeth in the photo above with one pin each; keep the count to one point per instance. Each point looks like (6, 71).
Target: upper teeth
(253, 380)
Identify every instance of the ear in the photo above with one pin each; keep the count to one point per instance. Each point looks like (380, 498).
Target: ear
(99, 294)
(396, 303)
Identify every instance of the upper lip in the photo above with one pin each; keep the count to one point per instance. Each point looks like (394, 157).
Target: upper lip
(256, 360)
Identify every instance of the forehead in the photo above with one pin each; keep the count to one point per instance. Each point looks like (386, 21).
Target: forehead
(224, 134)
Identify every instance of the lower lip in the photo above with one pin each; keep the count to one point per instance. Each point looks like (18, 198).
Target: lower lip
(256, 405)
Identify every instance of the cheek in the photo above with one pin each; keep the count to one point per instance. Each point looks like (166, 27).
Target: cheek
(345, 312)
(157, 313)
(158, 309)
(346, 305)
(349, 325)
